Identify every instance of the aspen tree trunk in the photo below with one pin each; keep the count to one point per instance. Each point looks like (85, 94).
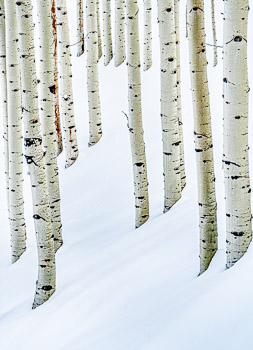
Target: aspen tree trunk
(147, 45)
(95, 130)
(179, 108)
(169, 111)
(80, 32)
(57, 107)
(202, 132)
(236, 166)
(107, 31)
(65, 85)
(3, 97)
(34, 155)
(135, 115)
(16, 201)
(100, 53)
(215, 54)
(47, 114)
(120, 50)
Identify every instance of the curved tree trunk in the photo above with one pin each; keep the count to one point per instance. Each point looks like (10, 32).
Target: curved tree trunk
(80, 32)
(34, 154)
(47, 114)
(16, 201)
(107, 31)
(135, 115)
(202, 132)
(65, 85)
(236, 165)
(169, 111)
(120, 50)
(147, 45)
(100, 53)
(95, 130)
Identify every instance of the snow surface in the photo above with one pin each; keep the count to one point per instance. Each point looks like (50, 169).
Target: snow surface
(119, 288)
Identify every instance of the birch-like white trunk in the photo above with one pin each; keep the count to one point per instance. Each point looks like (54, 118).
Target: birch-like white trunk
(16, 201)
(179, 107)
(47, 114)
(236, 157)
(202, 132)
(80, 31)
(34, 155)
(147, 43)
(119, 49)
(215, 54)
(135, 115)
(65, 85)
(169, 111)
(107, 32)
(100, 52)
(95, 130)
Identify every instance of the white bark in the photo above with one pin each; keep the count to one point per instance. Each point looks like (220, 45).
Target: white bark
(169, 111)
(147, 44)
(236, 166)
(202, 132)
(34, 154)
(47, 114)
(135, 115)
(80, 32)
(107, 31)
(215, 54)
(119, 50)
(65, 85)
(100, 53)
(95, 130)
(16, 201)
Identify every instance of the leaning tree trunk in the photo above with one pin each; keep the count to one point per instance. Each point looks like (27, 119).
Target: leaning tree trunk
(169, 112)
(65, 85)
(34, 155)
(147, 44)
(107, 31)
(16, 201)
(135, 115)
(202, 132)
(80, 32)
(47, 114)
(236, 165)
(95, 130)
(119, 51)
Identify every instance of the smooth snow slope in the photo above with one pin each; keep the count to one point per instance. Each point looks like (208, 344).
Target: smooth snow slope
(119, 288)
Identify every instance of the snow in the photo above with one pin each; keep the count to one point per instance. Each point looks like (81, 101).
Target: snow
(119, 288)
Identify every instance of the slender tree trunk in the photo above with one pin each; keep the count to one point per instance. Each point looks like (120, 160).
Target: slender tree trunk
(147, 45)
(57, 107)
(100, 53)
(120, 50)
(135, 115)
(215, 54)
(95, 130)
(169, 111)
(80, 32)
(34, 154)
(107, 31)
(236, 165)
(47, 114)
(179, 109)
(16, 201)
(202, 132)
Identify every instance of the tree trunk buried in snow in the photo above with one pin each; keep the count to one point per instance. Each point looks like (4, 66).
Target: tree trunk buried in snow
(135, 115)
(16, 201)
(107, 31)
(147, 45)
(80, 32)
(120, 50)
(35, 155)
(235, 158)
(202, 132)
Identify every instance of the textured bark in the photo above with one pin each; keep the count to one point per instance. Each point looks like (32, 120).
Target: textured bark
(135, 115)
(202, 133)
(120, 50)
(16, 201)
(107, 31)
(215, 54)
(47, 114)
(179, 108)
(235, 158)
(65, 85)
(147, 44)
(169, 111)
(100, 53)
(95, 130)
(34, 155)
(80, 32)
